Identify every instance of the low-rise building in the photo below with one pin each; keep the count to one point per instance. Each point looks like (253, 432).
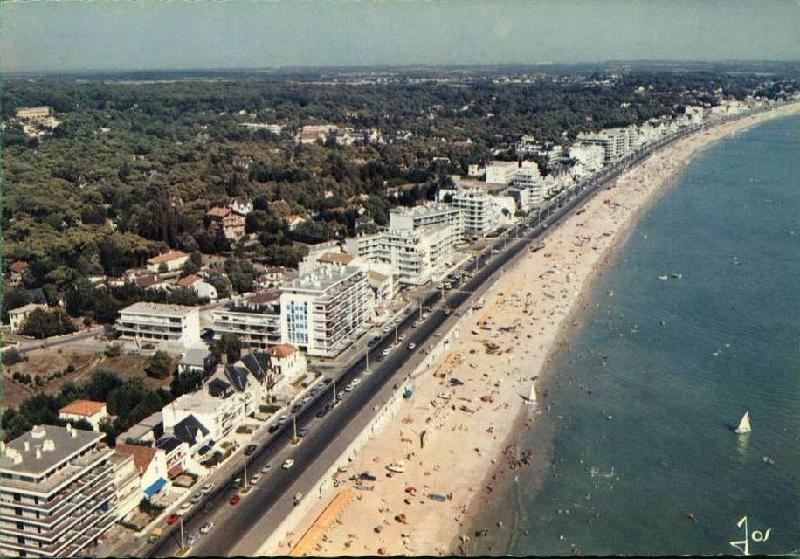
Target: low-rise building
(256, 320)
(501, 172)
(57, 494)
(169, 326)
(90, 411)
(126, 484)
(150, 466)
(173, 260)
(146, 432)
(231, 223)
(196, 360)
(18, 268)
(288, 363)
(17, 317)
(200, 287)
(324, 310)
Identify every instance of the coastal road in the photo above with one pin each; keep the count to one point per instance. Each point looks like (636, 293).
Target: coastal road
(241, 529)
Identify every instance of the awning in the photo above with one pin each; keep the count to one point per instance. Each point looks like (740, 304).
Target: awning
(155, 487)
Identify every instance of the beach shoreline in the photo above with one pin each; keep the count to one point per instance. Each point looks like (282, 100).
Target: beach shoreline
(391, 520)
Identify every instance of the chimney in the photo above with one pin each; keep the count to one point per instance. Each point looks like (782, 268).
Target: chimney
(26, 446)
(49, 445)
(38, 454)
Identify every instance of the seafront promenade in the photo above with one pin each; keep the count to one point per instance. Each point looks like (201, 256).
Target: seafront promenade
(470, 428)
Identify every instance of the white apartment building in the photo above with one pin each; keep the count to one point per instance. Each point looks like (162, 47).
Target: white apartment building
(616, 142)
(591, 157)
(255, 319)
(57, 494)
(169, 326)
(529, 179)
(483, 213)
(501, 172)
(425, 215)
(324, 310)
(417, 256)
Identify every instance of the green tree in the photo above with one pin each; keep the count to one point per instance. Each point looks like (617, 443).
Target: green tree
(42, 323)
(159, 365)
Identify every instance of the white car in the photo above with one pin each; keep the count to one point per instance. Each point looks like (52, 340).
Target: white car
(412, 345)
(356, 381)
(401, 338)
(288, 464)
(207, 527)
(386, 351)
(207, 488)
(254, 480)
(266, 468)
(185, 508)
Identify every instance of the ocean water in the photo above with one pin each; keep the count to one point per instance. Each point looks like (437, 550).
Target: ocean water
(639, 432)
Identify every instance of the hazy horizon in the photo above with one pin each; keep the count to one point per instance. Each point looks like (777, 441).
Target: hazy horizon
(72, 36)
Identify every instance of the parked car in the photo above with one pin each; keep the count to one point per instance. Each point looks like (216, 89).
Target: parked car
(235, 499)
(327, 380)
(296, 408)
(255, 479)
(386, 351)
(193, 537)
(401, 338)
(412, 345)
(249, 449)
(266, 468)
(207, 527)
(302, 432)
(417, 323)
(195, 498)
(288, 464)
(283, 419)
(274, 427)
(184, 508)
(323, 412)
(207, 488)
(173, 518)
(297, 498)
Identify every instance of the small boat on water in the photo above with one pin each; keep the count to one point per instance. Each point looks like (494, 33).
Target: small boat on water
(744, 424)
(662, 278)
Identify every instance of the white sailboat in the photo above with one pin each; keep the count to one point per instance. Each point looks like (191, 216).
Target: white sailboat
(744, 424)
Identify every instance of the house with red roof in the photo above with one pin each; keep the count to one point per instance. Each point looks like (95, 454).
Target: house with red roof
(88, 410)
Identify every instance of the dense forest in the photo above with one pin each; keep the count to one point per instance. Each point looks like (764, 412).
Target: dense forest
(133, 166)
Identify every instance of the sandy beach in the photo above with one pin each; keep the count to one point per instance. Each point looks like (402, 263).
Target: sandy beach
(452, 439)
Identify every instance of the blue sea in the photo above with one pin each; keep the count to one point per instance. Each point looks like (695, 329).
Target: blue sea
(637, 454)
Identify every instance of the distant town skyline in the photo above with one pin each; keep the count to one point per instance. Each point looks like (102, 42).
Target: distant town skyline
(98, 35)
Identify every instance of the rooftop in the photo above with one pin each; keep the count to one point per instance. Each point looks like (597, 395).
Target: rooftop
(167, 257)
(219, 211)
(281, 350)
(424, 209)
(158, 309)
(336, 258)
(322, 278)
(26, 308)
(188, 281)
(142, 455)
(86, 408)
(195, 356)
(45, 446)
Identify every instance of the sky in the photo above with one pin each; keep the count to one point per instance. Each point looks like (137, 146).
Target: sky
(75, 35)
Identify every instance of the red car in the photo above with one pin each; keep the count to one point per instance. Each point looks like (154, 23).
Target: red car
(235, 499)
(172, 519)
